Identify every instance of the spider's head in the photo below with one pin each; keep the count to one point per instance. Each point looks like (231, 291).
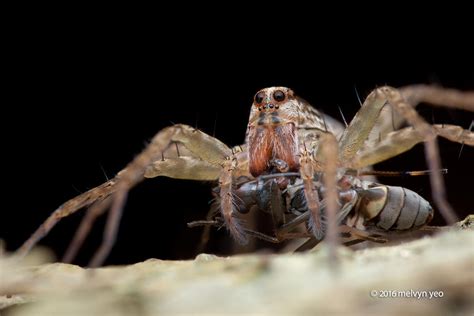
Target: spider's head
(272, 130)
(272, 106)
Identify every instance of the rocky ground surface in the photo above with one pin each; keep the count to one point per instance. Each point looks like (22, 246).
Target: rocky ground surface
(433, 275)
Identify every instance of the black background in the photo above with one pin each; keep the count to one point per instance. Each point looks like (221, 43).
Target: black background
(83, 103)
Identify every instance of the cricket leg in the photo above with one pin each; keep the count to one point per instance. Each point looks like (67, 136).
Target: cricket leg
(353, 235)
(206, 232)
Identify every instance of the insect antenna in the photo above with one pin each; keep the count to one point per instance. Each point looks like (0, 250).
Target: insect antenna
(204, 223)
(275, 175)
(399, 173)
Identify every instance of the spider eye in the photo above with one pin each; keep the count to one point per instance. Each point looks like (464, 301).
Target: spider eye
(259, 97)
(279, 95)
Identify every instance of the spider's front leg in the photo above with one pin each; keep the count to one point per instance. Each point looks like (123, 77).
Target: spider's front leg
(209, 159)
(195, 156)
(227, 200)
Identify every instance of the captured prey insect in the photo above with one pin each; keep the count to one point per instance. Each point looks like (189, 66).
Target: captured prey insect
(368, 210)
(284, 134)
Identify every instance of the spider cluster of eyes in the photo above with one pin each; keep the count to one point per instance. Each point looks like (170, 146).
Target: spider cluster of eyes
(278, 96)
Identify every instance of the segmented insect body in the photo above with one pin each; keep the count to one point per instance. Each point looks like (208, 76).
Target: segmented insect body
(365, 206)
(391, 208)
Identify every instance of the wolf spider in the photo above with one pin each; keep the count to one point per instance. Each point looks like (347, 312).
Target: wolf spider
(284, 134)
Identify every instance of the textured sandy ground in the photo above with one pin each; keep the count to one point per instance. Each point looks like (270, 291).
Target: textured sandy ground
(292, 284)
